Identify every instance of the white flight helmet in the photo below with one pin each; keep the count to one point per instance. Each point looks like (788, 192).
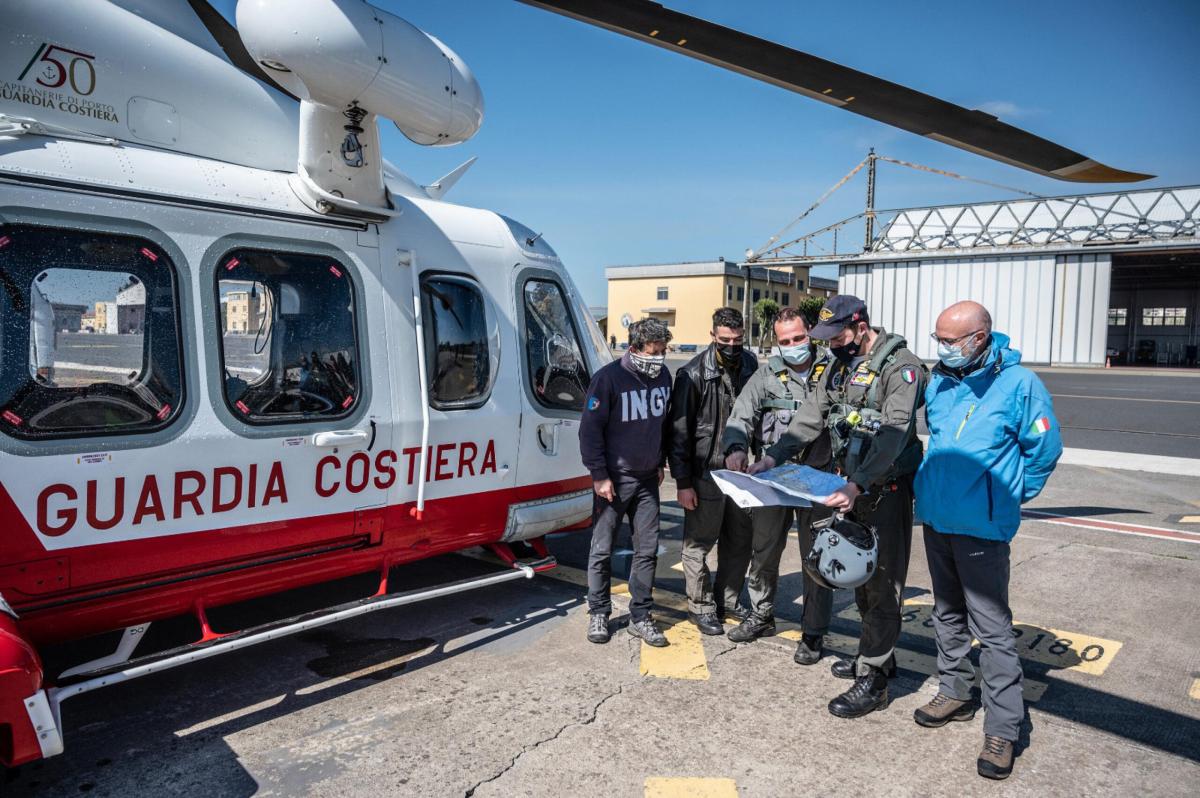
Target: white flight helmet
(844, 553)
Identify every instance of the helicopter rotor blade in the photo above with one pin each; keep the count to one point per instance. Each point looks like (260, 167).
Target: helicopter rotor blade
(858, 92)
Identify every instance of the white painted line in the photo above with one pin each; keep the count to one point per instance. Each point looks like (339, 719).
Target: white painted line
(1126, 399)
(1126, 461)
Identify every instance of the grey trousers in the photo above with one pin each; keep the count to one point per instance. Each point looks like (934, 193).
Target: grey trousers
(890, 509)
(818, 601)
(716, 518)
(637, 498)
(970, 598)
(755, 558)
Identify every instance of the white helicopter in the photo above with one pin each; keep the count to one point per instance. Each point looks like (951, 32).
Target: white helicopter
(242, 353)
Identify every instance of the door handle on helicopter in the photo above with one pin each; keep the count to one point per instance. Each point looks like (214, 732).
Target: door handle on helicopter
(340, 437)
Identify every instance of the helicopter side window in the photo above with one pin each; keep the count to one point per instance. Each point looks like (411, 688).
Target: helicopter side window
(289, 350)
(461, 343)
(89, 334)
(556, 364)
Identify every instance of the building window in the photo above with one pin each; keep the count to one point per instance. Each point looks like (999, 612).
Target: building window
(757, 295)
(90, 341)
(662, 292)
(799, 284)
(729, 293)
(1164, 317)
(1117, 317)
(556, 365)
(754, 331)
(289, 349)
(741, 293)
(786, 299)
(462, 347)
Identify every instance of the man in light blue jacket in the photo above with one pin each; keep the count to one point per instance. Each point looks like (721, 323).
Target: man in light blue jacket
(993, 442)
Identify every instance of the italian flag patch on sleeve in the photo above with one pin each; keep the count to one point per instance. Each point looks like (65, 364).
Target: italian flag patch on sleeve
(1041, 426)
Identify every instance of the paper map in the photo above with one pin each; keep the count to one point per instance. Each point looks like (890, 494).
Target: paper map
(787, 485)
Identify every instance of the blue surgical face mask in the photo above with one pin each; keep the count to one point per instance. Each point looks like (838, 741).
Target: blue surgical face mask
(953, 357)
(796, 355)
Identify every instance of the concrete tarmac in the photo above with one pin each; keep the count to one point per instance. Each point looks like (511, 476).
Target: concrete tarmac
(497, 693)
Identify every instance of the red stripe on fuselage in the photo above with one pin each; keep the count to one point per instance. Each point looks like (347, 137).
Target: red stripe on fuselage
(115, 585)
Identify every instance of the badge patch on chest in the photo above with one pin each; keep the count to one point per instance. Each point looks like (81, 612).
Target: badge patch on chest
(862, 378)
(908, 374)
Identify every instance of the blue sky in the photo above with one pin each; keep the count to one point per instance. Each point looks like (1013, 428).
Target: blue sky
(624, 153)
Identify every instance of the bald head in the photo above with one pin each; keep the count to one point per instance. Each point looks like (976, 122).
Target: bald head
(966, 325)
(962, 318)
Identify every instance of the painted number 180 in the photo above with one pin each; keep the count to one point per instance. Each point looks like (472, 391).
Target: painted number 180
(78, 68)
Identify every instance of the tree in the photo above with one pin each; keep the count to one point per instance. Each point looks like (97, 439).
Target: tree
(765, 310)
(810, 306)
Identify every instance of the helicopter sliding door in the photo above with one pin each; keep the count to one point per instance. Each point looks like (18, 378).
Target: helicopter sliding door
(556, 373)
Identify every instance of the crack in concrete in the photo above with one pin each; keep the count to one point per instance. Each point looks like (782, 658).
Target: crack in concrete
(528, 748)
(1043, 554)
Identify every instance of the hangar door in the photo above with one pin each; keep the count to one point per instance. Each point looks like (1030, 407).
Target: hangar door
(1051, 307)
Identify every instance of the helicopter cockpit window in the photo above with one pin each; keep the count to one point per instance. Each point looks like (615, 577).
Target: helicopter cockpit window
(461, 343)
(89, 337)
(556, 364)
(288, 346)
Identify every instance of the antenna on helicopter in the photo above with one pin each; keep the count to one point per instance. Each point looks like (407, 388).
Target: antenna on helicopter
(439, 188)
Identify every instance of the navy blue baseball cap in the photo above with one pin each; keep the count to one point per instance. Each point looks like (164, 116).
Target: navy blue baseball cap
(839, 313)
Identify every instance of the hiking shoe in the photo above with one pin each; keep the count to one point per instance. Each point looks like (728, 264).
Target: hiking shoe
(753, 627)
(844, 668)
(943, 709)
(707, 623)
(809, 649)
(868, 693)
(996, 759)
(598, 628)
(648, 632)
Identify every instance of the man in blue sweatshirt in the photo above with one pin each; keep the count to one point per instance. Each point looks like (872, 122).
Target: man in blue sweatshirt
(622, 439)
(993, 442)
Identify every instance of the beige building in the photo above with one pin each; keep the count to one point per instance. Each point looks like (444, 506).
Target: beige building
(242, 312)
(684, 295)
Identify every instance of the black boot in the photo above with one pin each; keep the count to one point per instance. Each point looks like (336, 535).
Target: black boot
(844, 668)
(868, 693)
(707, 623)
(809, 649)
(753, 627)
(739, 613)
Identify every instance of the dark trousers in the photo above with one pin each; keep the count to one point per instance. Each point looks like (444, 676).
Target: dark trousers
(637, 498)
(889, 509)
(755, 559)
(970, 599)
(818, 601)
(716, 518)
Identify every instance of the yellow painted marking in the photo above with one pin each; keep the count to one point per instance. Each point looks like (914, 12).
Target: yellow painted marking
(682, 659)
(1071, 651)
(1194, 693)
(664, 787)
(1190, 519)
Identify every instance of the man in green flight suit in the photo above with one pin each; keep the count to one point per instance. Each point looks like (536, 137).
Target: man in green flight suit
(868, 402)
(759, 418)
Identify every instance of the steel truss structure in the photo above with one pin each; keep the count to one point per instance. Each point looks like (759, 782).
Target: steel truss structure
(1111, 218)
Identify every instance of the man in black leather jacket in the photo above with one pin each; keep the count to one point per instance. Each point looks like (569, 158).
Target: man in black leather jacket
(701, 401)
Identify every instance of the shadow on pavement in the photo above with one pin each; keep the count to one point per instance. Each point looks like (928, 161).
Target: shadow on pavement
(164, 737)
